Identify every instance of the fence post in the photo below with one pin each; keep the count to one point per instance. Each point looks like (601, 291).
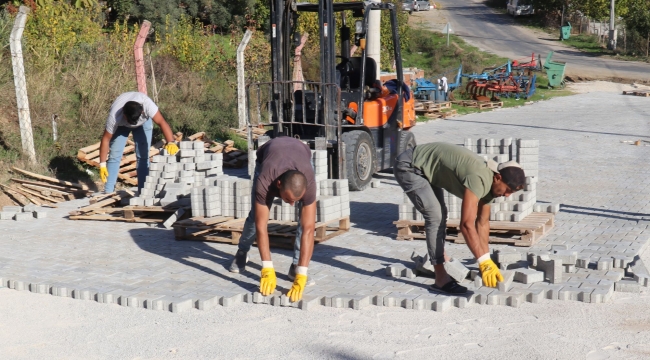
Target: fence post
(241, 79)
(16, 46)
(140, 75)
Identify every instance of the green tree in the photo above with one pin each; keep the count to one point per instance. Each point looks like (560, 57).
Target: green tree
(638, 19)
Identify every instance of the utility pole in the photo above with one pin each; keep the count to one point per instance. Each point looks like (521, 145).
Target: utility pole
(611, 45)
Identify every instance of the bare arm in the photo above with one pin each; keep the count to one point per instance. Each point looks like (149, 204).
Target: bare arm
(261, 226)
(483, 224)
(164, 126)
(469, 221)
(104, 146)
(307, 220)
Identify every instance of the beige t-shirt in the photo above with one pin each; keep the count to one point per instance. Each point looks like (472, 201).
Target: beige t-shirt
(454, 168)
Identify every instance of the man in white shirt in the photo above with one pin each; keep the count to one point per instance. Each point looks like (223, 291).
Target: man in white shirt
(131, 112)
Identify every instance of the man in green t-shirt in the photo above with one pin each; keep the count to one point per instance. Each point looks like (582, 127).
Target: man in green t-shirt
(424, 171)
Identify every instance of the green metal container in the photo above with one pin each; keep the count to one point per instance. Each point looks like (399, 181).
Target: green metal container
(554, 71)
(566, 32)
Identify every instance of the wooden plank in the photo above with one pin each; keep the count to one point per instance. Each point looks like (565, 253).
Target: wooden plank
(48, 185)
(20, 199)
(43, 190)
(50, 179)
(39, 195)
(31, 199)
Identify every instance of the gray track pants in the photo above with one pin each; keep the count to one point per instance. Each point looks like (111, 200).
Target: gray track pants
(427, 199)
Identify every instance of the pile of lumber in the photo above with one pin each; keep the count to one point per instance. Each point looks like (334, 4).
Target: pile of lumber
(42, 190)
(232, 157)
(243, 132)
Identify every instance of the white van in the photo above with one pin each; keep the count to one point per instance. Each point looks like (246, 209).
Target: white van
(520, 7)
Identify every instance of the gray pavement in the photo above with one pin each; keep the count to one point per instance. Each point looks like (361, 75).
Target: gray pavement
(600, 181)
(498, 33)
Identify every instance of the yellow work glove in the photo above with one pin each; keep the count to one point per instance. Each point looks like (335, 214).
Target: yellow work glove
(299, 283)
(267, 281)
(103, 172)
(171, 148)
(490, 272)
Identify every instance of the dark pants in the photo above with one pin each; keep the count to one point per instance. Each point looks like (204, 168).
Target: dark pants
(428, 200)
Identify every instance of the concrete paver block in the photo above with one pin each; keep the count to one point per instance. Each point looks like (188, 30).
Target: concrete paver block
(528, 276)
(7, 215)
(23, 216)
(508, 277)
(552, 269)
(630, 286)
(456, 269)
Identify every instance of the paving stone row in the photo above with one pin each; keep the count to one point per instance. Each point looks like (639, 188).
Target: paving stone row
(583, 165)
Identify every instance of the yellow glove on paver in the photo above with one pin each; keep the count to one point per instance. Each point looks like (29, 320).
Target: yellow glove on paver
(490, 273)
(171, 148)
(103, 172)
(295, 294)
(268, 281)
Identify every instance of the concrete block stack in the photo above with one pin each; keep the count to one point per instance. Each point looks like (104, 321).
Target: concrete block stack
(18, 213)
(172, 177)
(407, 211)
(319, 162)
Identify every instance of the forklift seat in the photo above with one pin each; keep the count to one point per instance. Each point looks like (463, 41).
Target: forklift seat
(355, 74)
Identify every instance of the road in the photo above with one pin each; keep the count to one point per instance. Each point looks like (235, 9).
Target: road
(497, 33)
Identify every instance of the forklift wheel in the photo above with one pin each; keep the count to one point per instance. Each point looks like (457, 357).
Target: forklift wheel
(360, 159)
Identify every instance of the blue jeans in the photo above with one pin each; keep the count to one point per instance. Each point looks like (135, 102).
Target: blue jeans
(142, 139)
(248, 234)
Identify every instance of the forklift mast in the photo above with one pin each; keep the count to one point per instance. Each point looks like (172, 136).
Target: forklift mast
(348, 111)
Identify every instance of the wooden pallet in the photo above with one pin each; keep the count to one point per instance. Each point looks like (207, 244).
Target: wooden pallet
(490, 105)
(108, 208)
(523, 233)
(637, 93)
(440, 114)
(479, 104)
(228, 230)
(431, 106)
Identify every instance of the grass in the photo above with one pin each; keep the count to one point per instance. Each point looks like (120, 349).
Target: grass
(429, 51)
(587, 43)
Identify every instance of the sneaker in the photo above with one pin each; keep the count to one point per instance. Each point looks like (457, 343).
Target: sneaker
(239, 263)
(292, 276)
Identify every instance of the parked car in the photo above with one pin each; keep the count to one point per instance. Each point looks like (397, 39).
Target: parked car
(408, 5)
(422, 5)
(520, 7)
(416, 5)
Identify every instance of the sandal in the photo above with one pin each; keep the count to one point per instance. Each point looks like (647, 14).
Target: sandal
(450, 288)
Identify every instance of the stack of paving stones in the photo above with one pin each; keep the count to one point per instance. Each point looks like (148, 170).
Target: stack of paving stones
(222, 198)
(172, 177)
(18, 213)
(512, 208)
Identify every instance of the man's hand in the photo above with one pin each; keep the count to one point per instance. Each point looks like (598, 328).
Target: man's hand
(171, 148)
(490, 273)
(103, 172)
(295, 294)
(268, 281)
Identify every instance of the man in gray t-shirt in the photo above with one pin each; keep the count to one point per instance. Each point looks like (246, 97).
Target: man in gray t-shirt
(283, 170)
(131, 112)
